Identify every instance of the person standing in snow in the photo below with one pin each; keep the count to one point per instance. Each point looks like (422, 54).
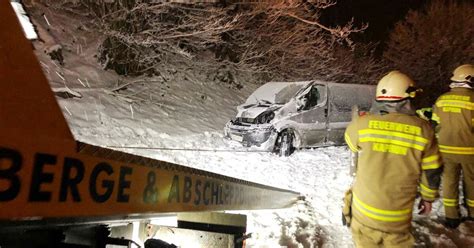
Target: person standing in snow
(454, 113)
(397, 154)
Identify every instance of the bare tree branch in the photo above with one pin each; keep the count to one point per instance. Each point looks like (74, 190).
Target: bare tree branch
(284, 38)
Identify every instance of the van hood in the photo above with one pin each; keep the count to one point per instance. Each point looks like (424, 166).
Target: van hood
(254, 110)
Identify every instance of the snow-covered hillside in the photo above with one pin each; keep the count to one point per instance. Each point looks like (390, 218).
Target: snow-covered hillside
(180, 116)
(183, 120)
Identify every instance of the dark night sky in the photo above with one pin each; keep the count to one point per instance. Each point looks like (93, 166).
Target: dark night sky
(380, 14)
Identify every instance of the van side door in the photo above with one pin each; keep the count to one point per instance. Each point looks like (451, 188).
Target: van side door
(341, 99)
(312, 116)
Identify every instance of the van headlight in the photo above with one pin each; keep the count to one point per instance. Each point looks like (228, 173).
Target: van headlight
(265, 117)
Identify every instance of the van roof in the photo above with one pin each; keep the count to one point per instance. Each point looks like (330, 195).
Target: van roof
(329, 83)
(272, 90)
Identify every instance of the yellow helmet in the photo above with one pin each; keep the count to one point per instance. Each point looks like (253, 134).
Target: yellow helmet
(395, 86)
(463, 73)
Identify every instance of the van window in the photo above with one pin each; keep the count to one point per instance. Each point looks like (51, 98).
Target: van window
(284, 95)
(315, 96)
(343, 97)
(275, 92)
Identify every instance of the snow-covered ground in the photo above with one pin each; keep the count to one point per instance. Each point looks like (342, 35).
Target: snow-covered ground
(183, 119)
(188, 122)
(182, 110)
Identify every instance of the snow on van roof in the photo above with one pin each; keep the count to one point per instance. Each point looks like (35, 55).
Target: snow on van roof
(347, 85)
(281, 92)
(276, 92)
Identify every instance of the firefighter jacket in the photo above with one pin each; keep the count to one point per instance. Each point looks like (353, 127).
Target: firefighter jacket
(454, 113)
(397, 155)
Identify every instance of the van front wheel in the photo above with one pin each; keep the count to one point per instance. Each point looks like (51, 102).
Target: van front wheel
(286, 144)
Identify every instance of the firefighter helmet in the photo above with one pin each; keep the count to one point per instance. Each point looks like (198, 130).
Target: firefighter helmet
(463, 73)
(395, 86)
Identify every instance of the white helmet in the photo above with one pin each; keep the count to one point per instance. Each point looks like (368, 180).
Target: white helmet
(395, 86)
(463, 73)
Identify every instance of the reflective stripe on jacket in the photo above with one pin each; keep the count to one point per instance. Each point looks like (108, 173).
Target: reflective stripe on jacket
(454, 113)
(398, 155)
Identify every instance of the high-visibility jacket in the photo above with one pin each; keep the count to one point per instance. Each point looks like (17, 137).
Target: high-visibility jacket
(454, 113)
(398, 154)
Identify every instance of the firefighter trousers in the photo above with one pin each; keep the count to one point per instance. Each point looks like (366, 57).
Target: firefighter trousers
(450, 188)
(366, 237)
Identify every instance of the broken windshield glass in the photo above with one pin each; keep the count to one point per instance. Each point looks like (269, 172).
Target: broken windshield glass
(275, 93)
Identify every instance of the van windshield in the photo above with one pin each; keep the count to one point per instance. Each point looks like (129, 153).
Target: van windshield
(275, 92)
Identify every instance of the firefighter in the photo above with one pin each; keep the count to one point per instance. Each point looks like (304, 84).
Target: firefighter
(454, 113)
(397, 155)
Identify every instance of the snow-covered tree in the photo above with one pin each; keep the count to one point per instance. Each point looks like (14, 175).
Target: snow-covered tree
(283, 39)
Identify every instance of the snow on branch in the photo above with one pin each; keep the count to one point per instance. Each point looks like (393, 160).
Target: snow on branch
(284, 38)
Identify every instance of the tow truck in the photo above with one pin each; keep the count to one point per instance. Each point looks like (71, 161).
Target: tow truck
(58, 192)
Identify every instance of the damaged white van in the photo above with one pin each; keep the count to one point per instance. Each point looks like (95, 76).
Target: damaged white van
(284, 116)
